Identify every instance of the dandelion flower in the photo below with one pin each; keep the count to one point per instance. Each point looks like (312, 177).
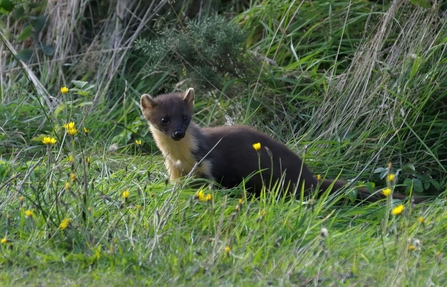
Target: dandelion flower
(257, 146)
(70, 128)
(65, 223)
(64, 90)
(70, 158)
(200, 195)
(227, 249)
(67, 186)
(28, 213)
(125, 194)
(386, 192)
(138, 142)
(398, 210)
(49, 140)
(319, 177)
(73, 177)
(4, 240)
(391, 177)
(240, 201)
(70, 125)
(421, 220)
(72, 131)
(208, 197)
(411, 247)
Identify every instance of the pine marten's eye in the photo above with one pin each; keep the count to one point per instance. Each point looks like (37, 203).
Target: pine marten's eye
(185, 118)
(164, 120)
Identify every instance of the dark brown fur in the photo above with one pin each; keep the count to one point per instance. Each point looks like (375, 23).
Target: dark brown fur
(225, 154)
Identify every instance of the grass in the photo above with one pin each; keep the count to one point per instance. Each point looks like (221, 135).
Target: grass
(158, 234)
(350, 86)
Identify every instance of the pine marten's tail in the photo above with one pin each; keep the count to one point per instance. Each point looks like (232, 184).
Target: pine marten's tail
(363, 194)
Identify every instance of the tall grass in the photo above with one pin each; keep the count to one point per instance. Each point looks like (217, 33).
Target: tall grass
(360, 79)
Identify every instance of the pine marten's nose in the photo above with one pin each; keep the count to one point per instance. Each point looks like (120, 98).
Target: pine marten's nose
(178, 135)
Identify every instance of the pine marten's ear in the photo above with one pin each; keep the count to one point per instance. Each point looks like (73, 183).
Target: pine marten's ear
(189, 96)
(146, 102)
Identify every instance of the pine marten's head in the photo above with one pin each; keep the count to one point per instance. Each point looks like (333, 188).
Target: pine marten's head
(169, 113)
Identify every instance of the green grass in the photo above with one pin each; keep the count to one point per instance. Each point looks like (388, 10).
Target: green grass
(162, 234)
(350, 86)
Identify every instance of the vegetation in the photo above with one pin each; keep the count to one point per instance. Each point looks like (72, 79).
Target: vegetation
(356, 88)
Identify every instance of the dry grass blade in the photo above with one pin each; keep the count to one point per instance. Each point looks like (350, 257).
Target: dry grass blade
(41, 90)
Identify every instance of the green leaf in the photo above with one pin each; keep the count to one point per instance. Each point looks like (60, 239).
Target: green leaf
(417, 185)
(410, 185)
(38, 23)
(422, 3)
(59, 109)
(379, 170)
(48, 50)
(25, 55)
(83, 104)
(435, 184)
(79, 84)
(6, 6)
(84, 93)
(18, 12)
(25, 33)
(409, 168)
(352, 195)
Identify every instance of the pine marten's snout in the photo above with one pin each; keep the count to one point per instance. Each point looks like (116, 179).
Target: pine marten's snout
(178, 135)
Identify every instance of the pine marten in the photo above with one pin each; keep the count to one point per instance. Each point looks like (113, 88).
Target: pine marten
(226, 154)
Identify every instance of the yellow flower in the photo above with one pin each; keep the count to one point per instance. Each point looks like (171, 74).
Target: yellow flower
(72, 131)
(89, 160)
(70, 128)
(200, 195)
(67, 186)
(138, 142)
(64, 90)
(390, 177)
(49, 140)
(70, 125)
(125, 194)
(257, 146)
(73, 177)
(240, 201)
(411, 247)
(65, 223)
(70, 159)
(4, 240)
(386, 192)
(86, 130)
(208, 197)
(421, 220)
(319, 177)
(227, 249)
(28, 213)
(398, 210)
